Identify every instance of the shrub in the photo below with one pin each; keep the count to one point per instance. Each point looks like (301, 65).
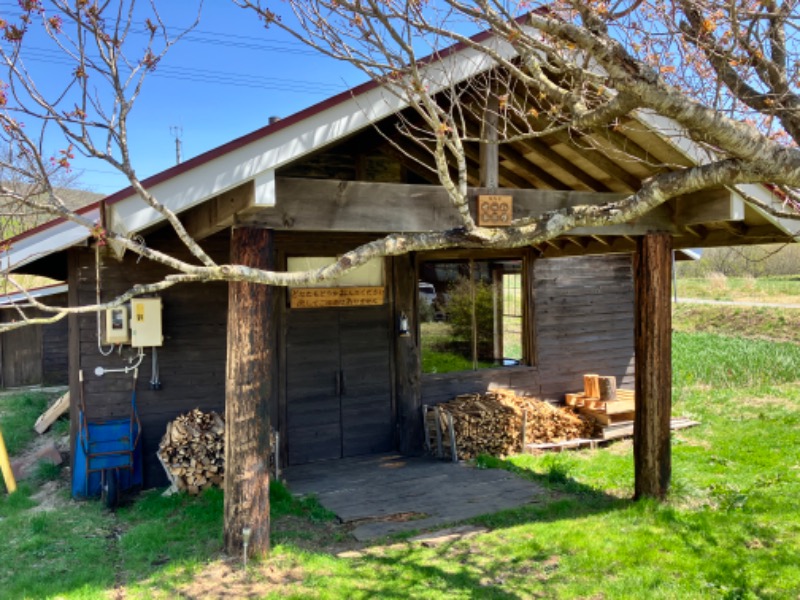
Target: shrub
(459, 310)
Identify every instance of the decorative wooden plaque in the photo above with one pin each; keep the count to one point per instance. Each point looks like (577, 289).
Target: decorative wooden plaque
(330, 297)
(495, 211)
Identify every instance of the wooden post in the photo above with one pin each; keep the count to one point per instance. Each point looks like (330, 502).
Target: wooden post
(489, 149)
(407, 358)
(248, 393)
(653, 345)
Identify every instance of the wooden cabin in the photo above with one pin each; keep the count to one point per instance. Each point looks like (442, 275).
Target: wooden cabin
(354, 360)
(35, 355)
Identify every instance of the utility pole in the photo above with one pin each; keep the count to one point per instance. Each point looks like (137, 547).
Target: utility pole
(177, 131)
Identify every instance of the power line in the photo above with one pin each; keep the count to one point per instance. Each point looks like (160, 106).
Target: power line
(38, 54)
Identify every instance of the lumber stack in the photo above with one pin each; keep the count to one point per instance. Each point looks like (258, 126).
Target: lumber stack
(192, 451)
(602, 401)
(501, 422)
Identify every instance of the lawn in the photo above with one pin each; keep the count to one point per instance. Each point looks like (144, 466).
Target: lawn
(779, 290)
(730, 529)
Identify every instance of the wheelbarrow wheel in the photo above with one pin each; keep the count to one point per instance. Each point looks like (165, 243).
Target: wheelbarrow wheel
(109, 491)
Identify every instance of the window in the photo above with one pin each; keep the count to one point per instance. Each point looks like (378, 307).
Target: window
(470, 314)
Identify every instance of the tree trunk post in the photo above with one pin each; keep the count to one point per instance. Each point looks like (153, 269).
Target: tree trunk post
(248, 393)
(653, 344)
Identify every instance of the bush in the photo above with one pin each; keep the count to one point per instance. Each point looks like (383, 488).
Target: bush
(459, 310)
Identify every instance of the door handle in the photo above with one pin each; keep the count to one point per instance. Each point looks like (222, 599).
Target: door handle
(338, 378)
(343, 383)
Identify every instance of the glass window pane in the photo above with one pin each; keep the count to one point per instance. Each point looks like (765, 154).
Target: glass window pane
(470, 314)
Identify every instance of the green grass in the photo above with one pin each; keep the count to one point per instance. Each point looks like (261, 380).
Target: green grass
(759, 322)
(729, 530)
(18, 413)
(781, 290)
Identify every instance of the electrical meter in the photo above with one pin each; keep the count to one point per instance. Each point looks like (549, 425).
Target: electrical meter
(117, 331)
(146, 322)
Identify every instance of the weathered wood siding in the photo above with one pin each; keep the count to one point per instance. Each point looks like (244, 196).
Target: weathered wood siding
(583, 320)
(444, 387)
(22, 356)
(191, 361)
(36, 354)
(55, 346)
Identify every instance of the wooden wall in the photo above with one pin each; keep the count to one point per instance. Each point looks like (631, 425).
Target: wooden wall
(191, 361)
(36, 354)
(583, 319)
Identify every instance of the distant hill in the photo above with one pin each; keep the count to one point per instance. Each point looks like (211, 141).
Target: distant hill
(16, 218)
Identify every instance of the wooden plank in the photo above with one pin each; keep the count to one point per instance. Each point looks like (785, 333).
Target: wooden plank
(48, 417)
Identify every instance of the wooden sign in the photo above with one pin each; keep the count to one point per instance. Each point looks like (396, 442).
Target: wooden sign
(495, 211)
(330, 297)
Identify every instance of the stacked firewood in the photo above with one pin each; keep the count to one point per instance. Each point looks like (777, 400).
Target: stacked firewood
(192, 451)
(500, 422)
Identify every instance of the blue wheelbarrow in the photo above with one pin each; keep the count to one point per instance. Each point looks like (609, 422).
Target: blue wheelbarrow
(108, 453)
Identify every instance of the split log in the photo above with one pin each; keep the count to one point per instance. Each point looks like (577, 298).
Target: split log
(492, 423)
(192, 451)
(607, 388)
(591, 385)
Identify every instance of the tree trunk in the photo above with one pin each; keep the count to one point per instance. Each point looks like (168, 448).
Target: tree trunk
(248, 392)
(653, 335)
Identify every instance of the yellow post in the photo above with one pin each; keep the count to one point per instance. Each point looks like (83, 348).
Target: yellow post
(5, 466)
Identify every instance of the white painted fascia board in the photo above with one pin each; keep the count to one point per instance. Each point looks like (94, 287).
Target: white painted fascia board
(43, 292)
(767, 196)
(259, 159)
(47, 241)
(676, 136)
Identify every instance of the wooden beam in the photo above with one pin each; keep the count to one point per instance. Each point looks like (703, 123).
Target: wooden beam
(541, 149)
(658, 219)
(218, 213)
(653, 348)
(352, 206)
(249, 384)
(531, 174)
(489, 164)
(708, 206)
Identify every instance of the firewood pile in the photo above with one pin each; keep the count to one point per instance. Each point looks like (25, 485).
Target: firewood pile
(501, 422)
(192, 451)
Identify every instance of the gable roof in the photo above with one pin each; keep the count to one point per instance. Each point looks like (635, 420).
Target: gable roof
(255, 157)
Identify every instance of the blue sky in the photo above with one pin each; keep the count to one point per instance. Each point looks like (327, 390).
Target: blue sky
(225, 79)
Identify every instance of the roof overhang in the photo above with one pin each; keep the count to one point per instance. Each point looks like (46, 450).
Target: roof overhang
(253, 159)
(40, 292)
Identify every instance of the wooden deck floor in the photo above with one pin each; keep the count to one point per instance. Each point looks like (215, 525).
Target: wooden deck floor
(386, 494)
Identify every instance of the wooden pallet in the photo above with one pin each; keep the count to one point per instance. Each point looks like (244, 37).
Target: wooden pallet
(609, 433)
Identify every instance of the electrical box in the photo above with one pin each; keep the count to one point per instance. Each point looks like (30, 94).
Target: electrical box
(117, 331)
(146, 322)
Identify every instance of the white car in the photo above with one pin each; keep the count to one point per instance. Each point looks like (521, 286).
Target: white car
(427, 293)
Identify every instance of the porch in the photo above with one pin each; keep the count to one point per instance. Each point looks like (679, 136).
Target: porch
(386, 494)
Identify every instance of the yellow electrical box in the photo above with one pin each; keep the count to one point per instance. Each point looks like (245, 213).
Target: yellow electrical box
(146, 322)
(117, 331)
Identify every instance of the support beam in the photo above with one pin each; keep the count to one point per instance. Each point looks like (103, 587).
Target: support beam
(489, 155)
(249, 385)
(407, 361)
(218, 213)
(653, 346)
(351, 206)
